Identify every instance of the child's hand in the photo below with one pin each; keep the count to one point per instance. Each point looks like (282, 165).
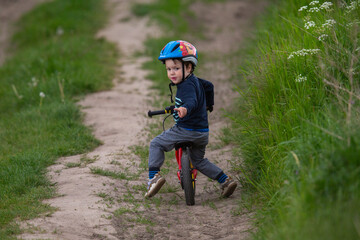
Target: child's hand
(181, 111)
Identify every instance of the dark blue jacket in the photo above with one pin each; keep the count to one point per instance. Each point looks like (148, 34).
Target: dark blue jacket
(191, 95)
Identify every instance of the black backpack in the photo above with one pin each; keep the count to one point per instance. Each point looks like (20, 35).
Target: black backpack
(209, 93)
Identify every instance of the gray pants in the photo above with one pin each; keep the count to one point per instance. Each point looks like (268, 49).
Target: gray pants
(166, 141)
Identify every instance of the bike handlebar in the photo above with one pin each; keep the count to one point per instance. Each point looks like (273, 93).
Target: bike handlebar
(169, 109)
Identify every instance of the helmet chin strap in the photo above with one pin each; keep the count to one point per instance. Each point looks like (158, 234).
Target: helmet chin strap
(183, 70)
(171, 93)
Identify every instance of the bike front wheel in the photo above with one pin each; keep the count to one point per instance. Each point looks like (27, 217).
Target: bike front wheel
(188, 181)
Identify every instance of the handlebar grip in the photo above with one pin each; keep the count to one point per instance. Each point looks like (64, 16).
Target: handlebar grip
(169, 109)
(152, 113)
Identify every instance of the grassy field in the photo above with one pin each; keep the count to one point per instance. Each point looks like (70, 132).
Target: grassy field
(52, 65)
(297, 126)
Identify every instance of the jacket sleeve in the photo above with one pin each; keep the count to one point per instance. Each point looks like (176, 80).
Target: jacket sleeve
(189, 97)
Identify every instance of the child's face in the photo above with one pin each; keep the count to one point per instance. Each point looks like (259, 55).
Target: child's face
(174, 70)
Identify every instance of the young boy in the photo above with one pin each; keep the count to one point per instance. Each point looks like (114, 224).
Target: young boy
(190, 115)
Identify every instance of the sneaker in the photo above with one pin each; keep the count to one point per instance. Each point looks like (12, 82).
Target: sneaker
(228, 187)
(154, 185)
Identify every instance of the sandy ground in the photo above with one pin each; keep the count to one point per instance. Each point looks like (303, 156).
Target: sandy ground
(92, 206)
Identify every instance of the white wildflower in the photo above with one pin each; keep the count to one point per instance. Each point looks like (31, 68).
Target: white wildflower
(329, 23)
(313, 3)
(34, 82)
(323, 37)
(303, 52)
(353, 5)
(303, 8)
(300, 78)
(309, 24)
(349, 25)
(59, 31)
(326, 6)
(42, 96)
(314, 9)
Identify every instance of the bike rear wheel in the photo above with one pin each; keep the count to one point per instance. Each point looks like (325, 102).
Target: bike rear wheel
(188, 181)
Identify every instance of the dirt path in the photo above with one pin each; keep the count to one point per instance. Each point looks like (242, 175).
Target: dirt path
(93, 206)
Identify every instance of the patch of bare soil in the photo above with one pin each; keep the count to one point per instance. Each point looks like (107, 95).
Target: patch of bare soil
(93, 206)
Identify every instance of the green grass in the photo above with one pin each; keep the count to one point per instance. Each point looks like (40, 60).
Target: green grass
(116, 175)
(170, 14)
(299, 137)
(54, 53)
(143, 153)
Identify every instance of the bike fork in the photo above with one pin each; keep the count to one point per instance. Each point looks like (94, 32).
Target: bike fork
(178, 155)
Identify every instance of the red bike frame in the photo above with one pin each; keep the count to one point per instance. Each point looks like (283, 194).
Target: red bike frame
(178, 154)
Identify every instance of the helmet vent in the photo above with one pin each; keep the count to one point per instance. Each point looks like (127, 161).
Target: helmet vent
(175, 47)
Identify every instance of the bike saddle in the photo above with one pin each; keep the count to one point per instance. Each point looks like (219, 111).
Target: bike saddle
(183, 145)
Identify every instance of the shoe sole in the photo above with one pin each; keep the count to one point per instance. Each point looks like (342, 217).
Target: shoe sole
(155, 188)
(230, 189)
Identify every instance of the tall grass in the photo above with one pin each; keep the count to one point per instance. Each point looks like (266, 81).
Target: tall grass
(298, 122)
(55, 60)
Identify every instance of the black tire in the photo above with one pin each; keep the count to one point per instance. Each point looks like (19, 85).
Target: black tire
(187, 179)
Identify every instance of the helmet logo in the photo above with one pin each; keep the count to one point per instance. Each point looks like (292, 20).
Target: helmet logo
(187, 49)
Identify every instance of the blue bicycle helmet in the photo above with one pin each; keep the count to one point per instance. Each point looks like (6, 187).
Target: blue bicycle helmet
(179, 49)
